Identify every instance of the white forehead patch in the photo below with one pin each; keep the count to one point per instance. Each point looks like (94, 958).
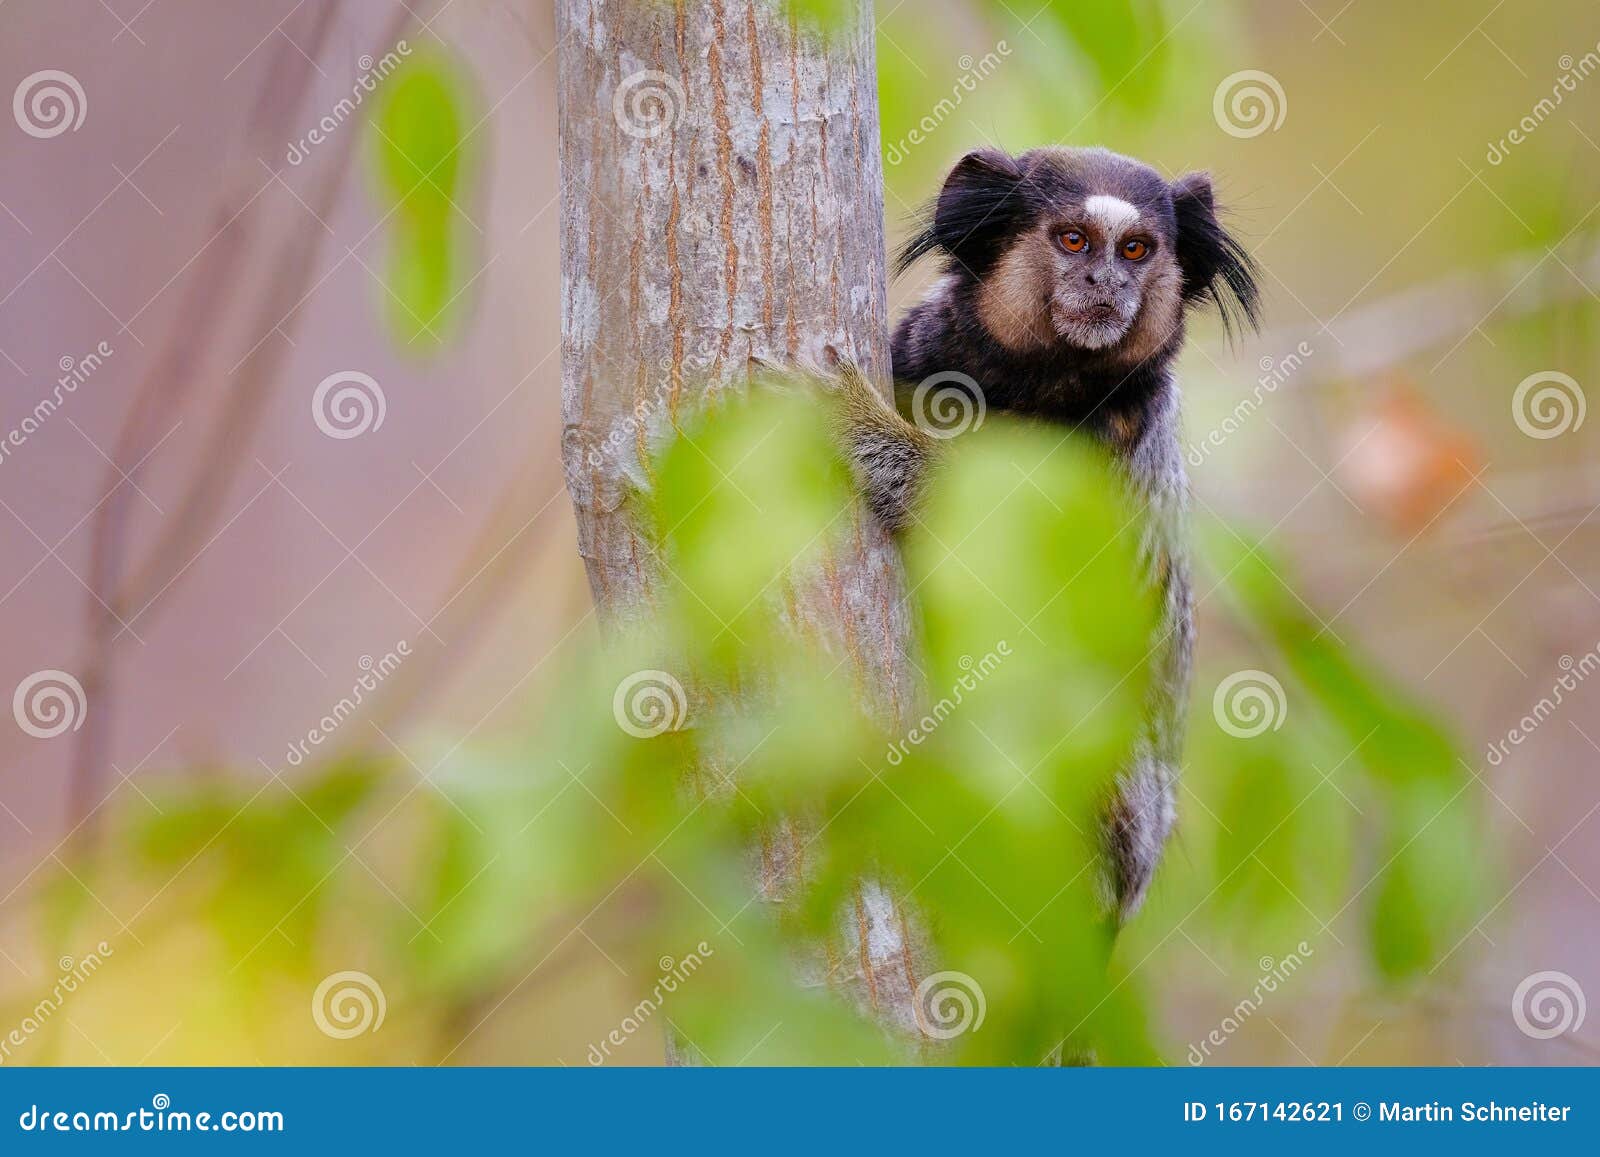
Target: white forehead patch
(1113, 214)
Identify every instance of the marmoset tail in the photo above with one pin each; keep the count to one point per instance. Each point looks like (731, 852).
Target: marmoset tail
(1068, 274)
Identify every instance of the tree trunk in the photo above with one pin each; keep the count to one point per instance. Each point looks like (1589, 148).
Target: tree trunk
(722, 201)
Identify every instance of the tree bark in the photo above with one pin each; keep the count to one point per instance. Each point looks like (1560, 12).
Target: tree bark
(722, 201)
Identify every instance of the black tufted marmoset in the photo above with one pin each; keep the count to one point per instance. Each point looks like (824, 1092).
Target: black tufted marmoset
(1068, 274)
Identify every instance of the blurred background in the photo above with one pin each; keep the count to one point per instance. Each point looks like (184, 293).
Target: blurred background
(220, 237)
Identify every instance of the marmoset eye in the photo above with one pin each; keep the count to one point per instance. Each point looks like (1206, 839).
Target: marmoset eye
(1135, 250)
(1074, 242)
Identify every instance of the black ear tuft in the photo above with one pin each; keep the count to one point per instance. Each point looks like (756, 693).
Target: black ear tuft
(977, 207)
(1216, 268)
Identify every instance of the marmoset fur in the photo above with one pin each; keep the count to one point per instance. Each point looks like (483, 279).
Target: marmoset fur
(1068, 275)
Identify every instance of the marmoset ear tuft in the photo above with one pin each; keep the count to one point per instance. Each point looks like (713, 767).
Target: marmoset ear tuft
(1216, 267)
(979, 204)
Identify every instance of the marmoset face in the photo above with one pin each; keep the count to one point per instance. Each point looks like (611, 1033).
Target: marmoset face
(1085, 249)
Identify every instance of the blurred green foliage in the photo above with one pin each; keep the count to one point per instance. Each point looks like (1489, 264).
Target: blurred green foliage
(647, 824)
(420, 155)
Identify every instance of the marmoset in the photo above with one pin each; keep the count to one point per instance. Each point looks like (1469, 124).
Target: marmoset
(1068, 275)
